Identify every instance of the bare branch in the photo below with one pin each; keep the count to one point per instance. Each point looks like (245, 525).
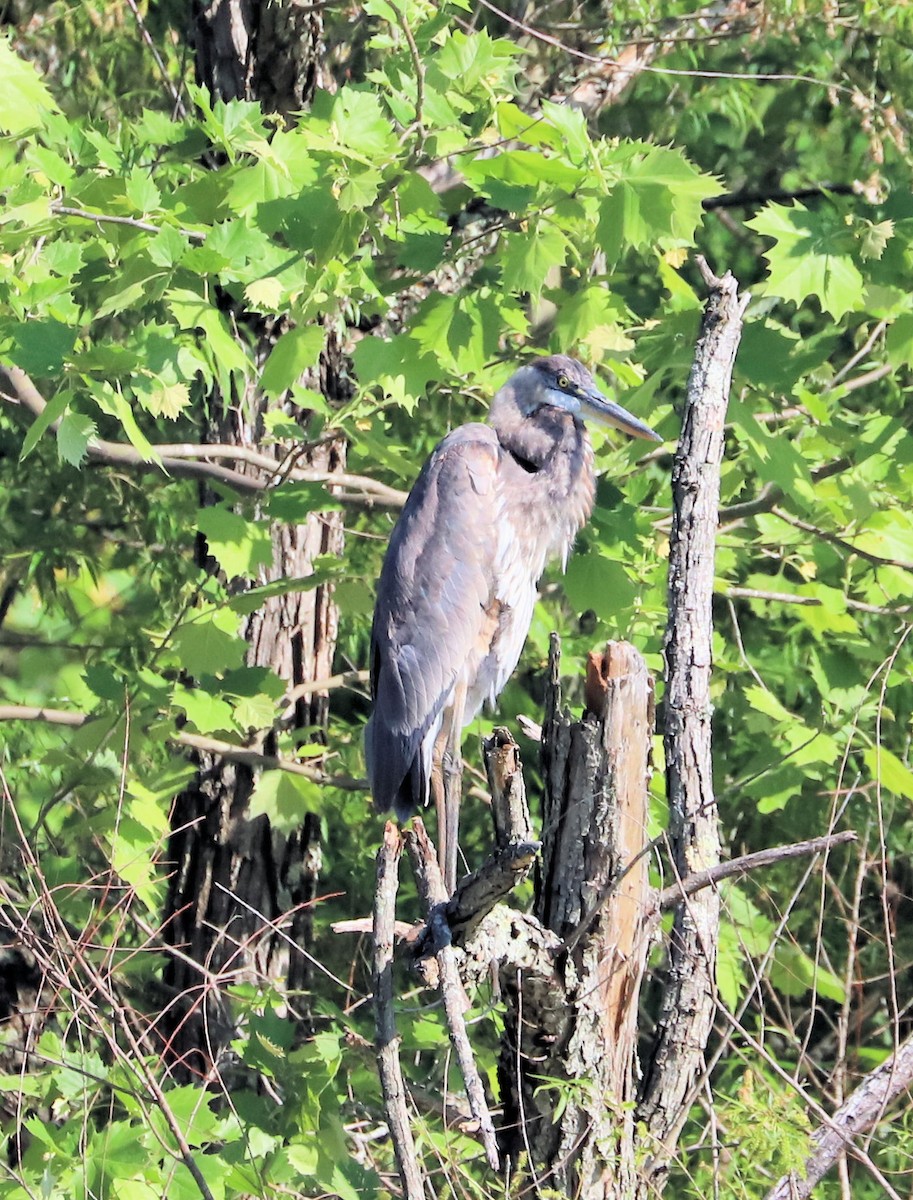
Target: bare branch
(687, 1006)
(878, 560)
(434, 896)
(691, 884)
(864, 1109)
(178, 459)
(180, 109)
(63, 210)
(776, 195)
(742, 593)
(388, 1065)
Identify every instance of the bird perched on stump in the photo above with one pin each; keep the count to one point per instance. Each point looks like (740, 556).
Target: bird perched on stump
(492, 505)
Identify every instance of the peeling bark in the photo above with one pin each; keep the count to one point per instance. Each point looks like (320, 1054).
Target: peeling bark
(571, 976)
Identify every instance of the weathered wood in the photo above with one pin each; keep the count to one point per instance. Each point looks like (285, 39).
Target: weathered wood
(387, 1041)
(509, 808)
(687, 1007)
(572, 1014)
(863, 1110)
(433, 895)
(516, 850)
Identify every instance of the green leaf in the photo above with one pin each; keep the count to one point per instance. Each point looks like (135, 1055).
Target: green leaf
(73, 436)
(598, 584)
(470, 59)
(794, 973)
(361, 125)
(113, 403)
(766, 702)
(142, 192)
(209, 643)
(293, 502)
(811, 256)
(241, 546)
(251, 600)
(53, 410)
(889, 771)
(296, 350)
(397, 365)
(24, 100)
(571, 125)
(210, 714)
(526, 168)
(192, 312)
(530, 256)
(657, 199)
(284, 797)
(162, 399)
(42, 346)
(255, 712)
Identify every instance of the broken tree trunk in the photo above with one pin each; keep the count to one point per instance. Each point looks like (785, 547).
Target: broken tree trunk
(567, 1065)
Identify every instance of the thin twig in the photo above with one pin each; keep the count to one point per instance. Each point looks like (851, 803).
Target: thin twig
(860, 354)
(177, 459)
(180, 109)
(837, 1134)
(776, 196)
(742, 593)
(433, 895)
(878, 560)
(65, 210)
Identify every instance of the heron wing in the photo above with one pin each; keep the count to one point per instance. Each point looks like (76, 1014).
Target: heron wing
(434, 603)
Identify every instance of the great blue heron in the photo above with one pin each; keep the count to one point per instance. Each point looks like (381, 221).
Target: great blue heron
(492, 505)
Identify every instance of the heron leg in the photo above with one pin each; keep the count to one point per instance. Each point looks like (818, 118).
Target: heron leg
(452, 780)
(439, 793)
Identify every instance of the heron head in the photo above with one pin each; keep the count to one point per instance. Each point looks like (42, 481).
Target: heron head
(561, 382)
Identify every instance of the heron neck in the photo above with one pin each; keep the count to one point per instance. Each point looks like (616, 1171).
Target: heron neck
(537, 439)
(548, 474)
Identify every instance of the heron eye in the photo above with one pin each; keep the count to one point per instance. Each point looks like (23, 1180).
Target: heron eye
(563, 382)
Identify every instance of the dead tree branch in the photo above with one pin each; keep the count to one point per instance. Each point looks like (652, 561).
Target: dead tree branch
(864, 1109)
(433, 895)
(391, 1076)
(193, 462)
(683, 888)
(688, 1002)
(248, 755)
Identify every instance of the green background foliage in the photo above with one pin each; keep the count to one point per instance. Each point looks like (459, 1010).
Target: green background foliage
(128, 239)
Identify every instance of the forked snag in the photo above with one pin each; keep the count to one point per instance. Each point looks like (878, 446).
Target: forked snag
(573, 1048)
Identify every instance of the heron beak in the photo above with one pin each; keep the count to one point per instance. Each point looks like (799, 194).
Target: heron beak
(607, 412)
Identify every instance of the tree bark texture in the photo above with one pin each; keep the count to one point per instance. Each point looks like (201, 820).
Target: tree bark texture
(688, 1001)
(266, 50)
(567, 1062)
(237, 909)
